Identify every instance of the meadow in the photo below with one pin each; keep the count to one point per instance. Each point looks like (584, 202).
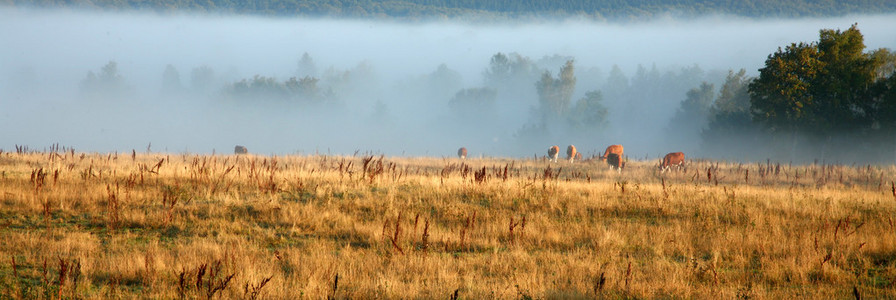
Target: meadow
(164, 225)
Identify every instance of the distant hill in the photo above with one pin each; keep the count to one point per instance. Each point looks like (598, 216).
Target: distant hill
(483, 10)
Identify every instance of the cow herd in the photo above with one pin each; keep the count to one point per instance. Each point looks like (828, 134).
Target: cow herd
(613, 156)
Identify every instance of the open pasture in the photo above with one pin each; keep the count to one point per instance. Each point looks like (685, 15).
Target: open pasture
(151, 225)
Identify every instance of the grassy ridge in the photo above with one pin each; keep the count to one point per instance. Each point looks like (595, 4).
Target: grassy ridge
(181, 225)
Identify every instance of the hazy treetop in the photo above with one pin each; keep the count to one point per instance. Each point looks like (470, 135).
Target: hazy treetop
(488, 10)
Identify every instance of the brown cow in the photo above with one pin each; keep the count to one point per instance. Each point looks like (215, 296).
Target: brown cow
(240, 150)
(462, 152)
(674, 158)
(579, 156)
(614, 149)
(571, 153)
(553, 153)
(615, 160)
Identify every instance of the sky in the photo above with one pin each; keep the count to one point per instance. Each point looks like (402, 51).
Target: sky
(46, 55)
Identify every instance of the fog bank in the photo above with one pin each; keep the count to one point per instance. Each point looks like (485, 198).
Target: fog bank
(387, 85)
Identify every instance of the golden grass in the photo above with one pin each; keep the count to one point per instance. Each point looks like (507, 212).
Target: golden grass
(180, 225)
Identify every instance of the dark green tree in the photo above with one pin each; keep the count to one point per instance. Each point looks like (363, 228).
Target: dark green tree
(107, 84)
(841, 90)
(589, 113)
(499, 70)
(647, 85)
(731, 132)
(475, 103)
(883, 93)
(508, 70)
(819, 88)
(444, 81)
(304, 89)
(358, 82)
(781, 97)
(691, 117)
(109, 73)
(171, 81)
(264, 89)
(617, 86)
(696, 106)
(203, 80)
(547, 93)
(733, 96)
(259, 88)
(885, 104)
(306, 66)
(555, 95)
(511, 76)
(829, 92)
(885, 61)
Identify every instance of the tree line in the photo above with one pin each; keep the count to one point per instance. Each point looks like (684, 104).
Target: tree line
(486, 10)
(819, 98)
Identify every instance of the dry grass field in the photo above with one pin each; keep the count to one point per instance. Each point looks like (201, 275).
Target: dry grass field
(131, 225)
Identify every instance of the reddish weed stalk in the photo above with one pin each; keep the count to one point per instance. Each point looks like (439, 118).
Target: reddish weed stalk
(425, 237)
(468, 226)
(46, 205)
(169, 199)
(15, 268)
(372, 168)
(254, 290)
(113, 208)
(599, 283)
(893, 189)
(480, 176)
(396, 234)
(38, 177)
(513, 225)
(335, 287)
(209, 280)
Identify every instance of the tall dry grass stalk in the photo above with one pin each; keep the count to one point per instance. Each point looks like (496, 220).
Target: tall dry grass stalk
(90, 225)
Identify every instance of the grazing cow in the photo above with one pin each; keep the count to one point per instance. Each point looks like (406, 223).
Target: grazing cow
(462, 153)
(240, 150)
(571, 153)
(553, 153)
(615, 160)
(579, 156)
(612, 149)
(672, 159)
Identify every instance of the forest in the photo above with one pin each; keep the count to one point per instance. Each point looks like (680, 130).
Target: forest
(827, 99)
(487, 10)
(831, 93)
